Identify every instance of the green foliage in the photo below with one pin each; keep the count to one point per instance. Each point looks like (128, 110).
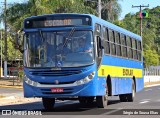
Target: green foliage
(111, 10)
(151, 57)
(12, 53)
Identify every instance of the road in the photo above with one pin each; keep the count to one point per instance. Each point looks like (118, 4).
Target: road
(146, 101)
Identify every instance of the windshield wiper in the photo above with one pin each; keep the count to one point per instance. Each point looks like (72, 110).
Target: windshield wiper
(42, 38)
(69, 36)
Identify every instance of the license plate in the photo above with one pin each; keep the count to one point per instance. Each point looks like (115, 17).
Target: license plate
(57, 90)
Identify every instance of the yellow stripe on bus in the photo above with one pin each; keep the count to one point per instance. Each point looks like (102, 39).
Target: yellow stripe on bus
(115, 71)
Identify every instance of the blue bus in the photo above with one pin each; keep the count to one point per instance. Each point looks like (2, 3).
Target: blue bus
(80, 56)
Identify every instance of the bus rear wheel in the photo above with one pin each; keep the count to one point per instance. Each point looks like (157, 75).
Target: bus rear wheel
(48, 103)
(131, 96)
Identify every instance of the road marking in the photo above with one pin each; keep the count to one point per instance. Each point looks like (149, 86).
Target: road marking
(110, 112)
(143, 102)
(152, 85)
(158, 100)
(148, 90)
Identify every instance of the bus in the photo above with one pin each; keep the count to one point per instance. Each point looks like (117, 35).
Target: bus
(113, 67)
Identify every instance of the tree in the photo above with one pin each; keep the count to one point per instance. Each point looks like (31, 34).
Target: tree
(12, 52)
(151, 57)
(111, 10)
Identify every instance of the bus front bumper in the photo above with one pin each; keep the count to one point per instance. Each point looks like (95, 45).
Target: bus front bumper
(88, 89)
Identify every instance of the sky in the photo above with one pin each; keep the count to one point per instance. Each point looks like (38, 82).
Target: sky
(126, 5)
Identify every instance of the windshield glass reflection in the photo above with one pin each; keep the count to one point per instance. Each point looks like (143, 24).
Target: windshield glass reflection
(58, 49)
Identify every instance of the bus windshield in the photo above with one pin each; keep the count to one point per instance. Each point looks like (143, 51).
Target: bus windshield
(58, 49)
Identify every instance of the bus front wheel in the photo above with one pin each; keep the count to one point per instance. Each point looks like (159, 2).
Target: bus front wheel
(48, 103)
(102, 101)
(86, 100)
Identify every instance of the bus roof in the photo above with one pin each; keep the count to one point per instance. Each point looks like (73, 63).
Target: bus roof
(94, 20)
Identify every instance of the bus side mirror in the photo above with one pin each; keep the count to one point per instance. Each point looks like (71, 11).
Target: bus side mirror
(19, 40)
(100, 48)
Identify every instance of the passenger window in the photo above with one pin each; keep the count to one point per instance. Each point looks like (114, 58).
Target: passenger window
(111, 36)
(118, 38)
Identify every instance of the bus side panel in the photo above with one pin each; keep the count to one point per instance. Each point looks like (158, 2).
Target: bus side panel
(125, 85)
(121, 86)
(139, 84)
(114, 86)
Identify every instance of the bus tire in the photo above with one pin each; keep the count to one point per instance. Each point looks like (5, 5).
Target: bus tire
(102, 101)
(130, 97)
(123, 97)
(86, 100)
(48, 103)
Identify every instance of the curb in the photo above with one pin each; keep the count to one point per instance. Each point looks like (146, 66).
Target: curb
(152, 85)
(9, 98)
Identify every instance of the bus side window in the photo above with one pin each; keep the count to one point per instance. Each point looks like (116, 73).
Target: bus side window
(124, 45)
(134, 41)
(139, 51)
(98, 30)
(106, 41)
(129, 45)
(112, 42)
(118, 44)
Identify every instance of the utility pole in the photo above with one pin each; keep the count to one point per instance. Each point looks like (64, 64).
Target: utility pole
(99, 8)
(1, 56)
(140, 17)
(5, 38)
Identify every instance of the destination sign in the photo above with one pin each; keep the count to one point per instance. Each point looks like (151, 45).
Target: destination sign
(54, 21)
(63, 22)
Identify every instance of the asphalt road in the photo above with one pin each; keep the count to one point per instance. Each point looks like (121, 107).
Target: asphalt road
(147, 102)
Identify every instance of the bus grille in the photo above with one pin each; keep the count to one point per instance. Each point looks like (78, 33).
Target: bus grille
(52, 83)
(55, 72)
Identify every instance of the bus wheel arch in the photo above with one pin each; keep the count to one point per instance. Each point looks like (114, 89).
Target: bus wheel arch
(134, 80)
(132, 95)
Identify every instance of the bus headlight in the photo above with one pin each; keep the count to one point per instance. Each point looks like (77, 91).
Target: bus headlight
(30, 82)
(86, 79)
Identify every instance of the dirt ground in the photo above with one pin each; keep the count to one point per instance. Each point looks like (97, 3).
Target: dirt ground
(17, 100)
